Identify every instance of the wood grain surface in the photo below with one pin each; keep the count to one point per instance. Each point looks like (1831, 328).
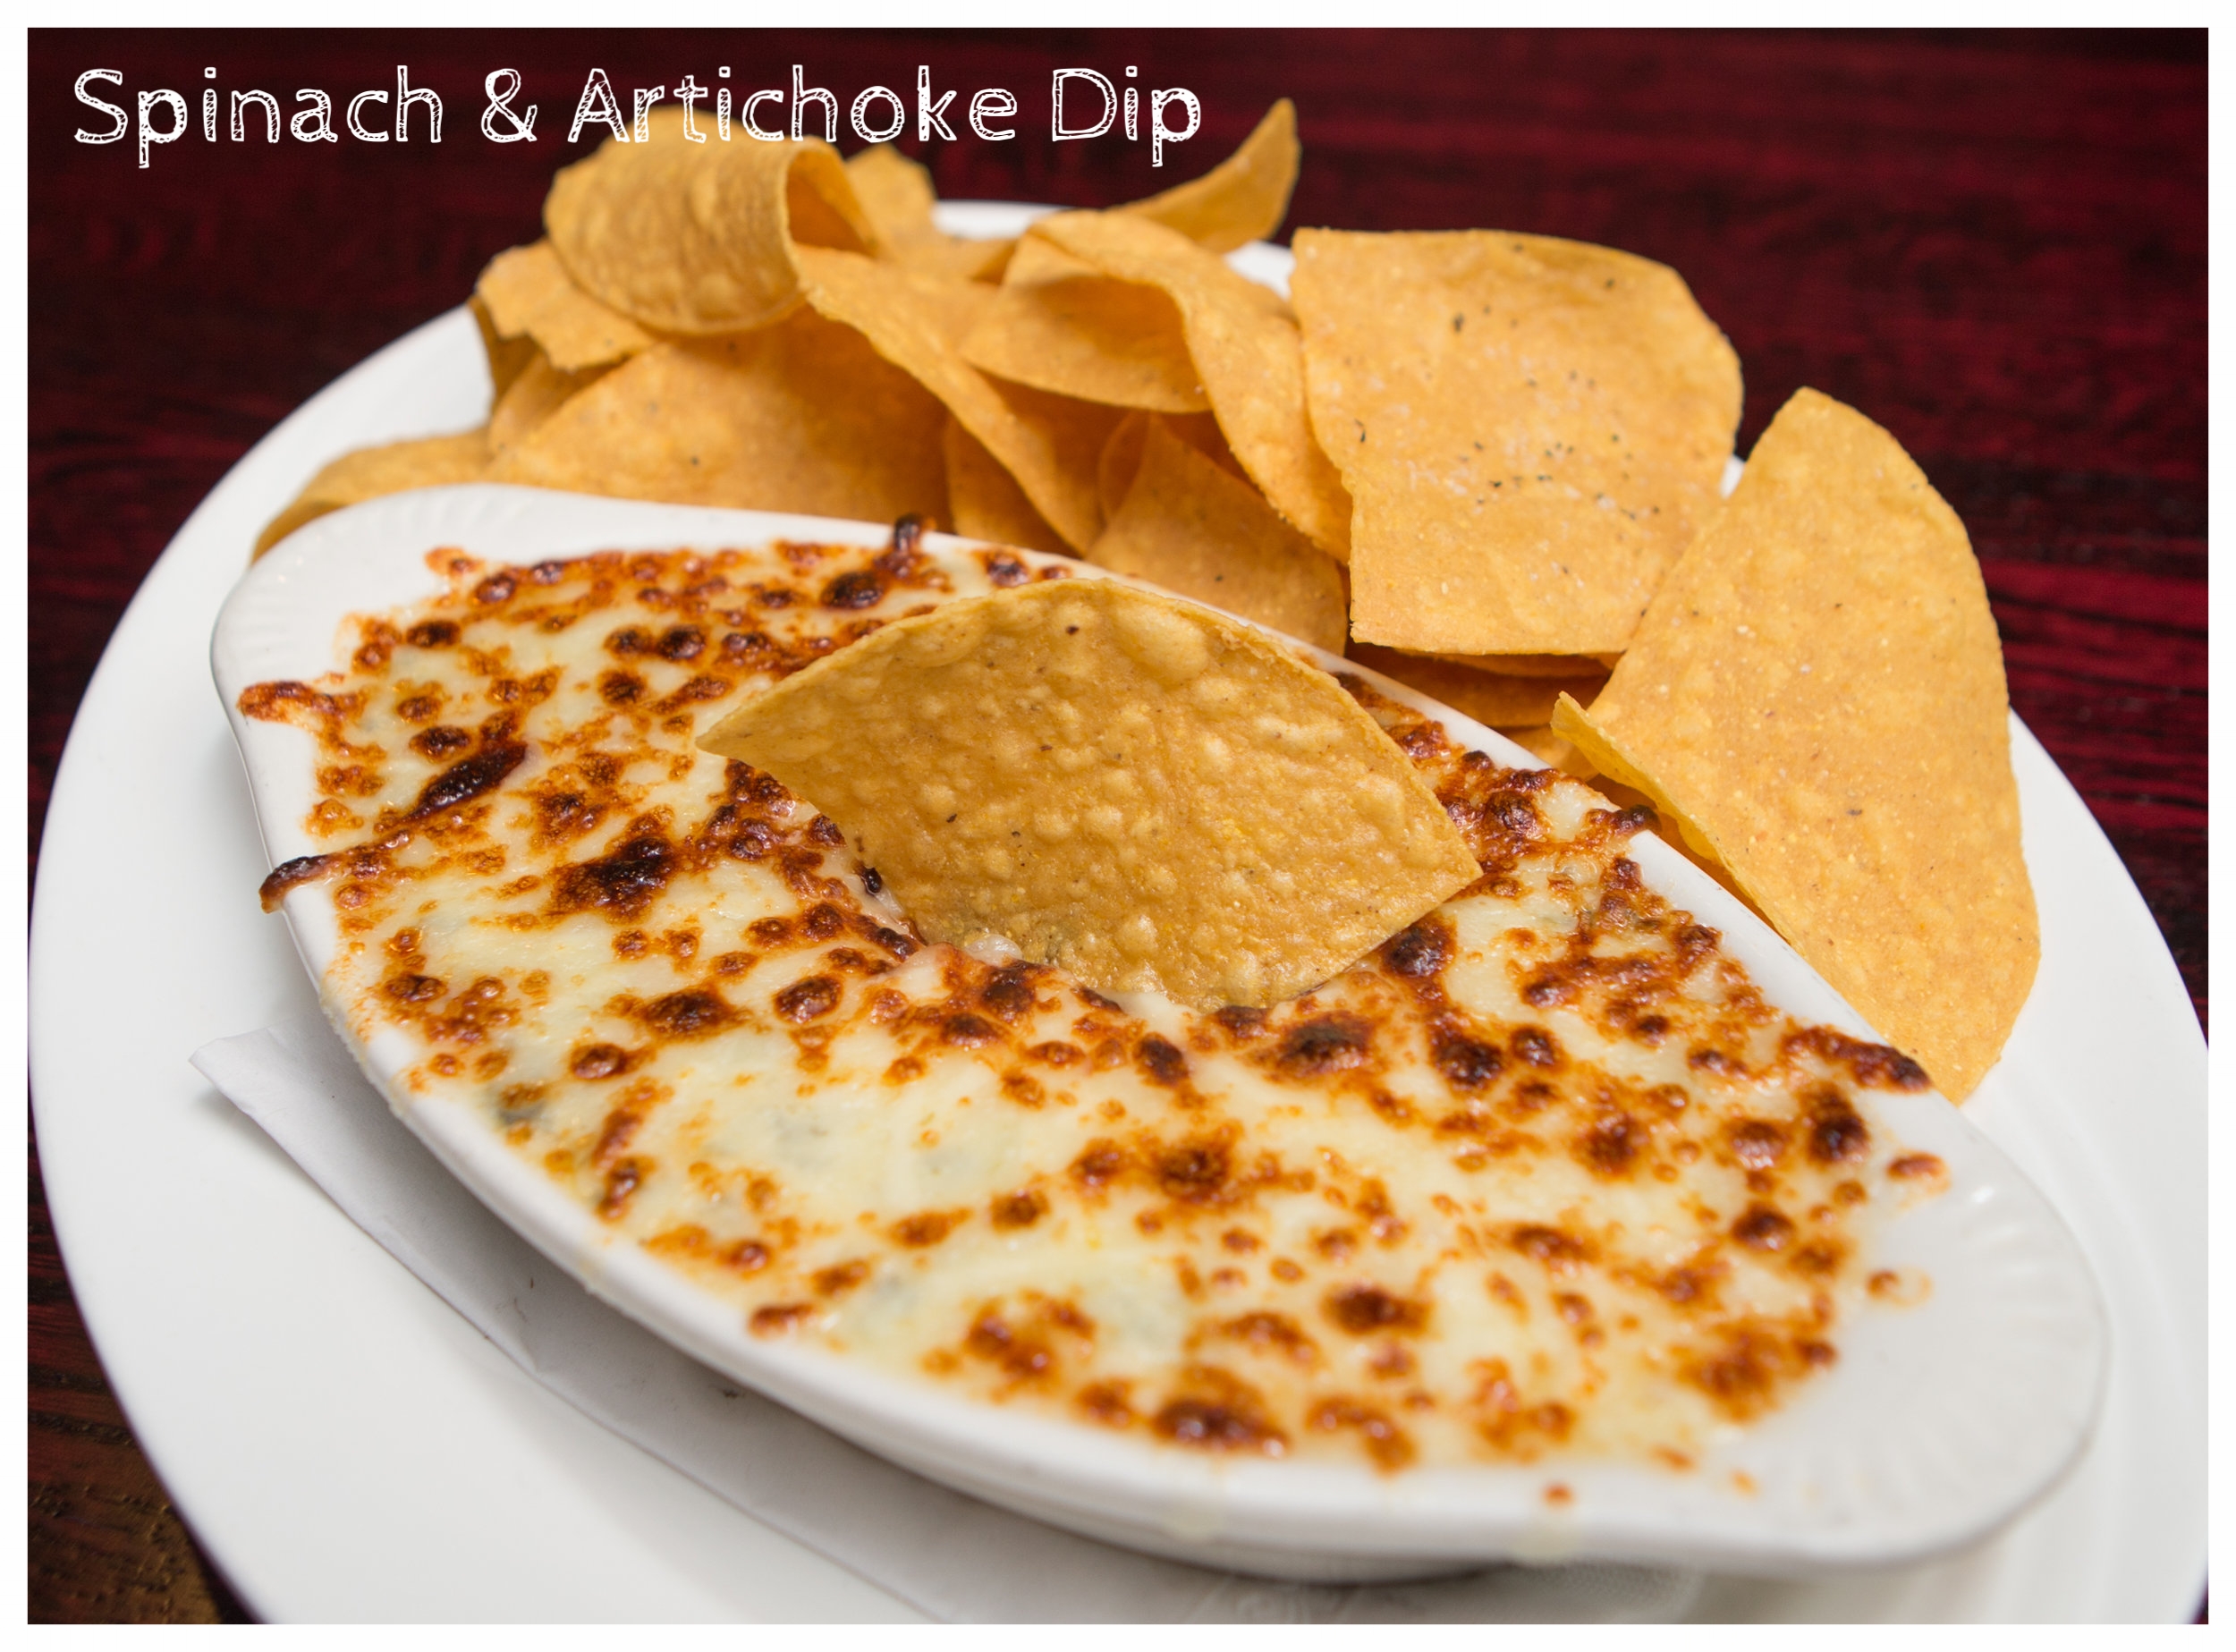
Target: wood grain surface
(1993, 245)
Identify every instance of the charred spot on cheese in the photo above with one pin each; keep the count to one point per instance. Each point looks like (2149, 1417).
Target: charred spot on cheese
(1371, 1224)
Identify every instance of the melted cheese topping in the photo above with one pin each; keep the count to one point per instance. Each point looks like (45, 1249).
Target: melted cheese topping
(1544, 1174)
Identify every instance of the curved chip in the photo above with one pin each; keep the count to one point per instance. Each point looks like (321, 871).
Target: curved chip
(802, 416)
(1152, 795)
(698, 237)
(1248, 355)
(1060, 325)
(1816, 698)
(528, 293)
(918, 321)
(1242, 199)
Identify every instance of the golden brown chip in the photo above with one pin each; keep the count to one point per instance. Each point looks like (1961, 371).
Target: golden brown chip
(526, 293)
(896, 196)
(1188, 526)
(918, 321)
(698, 237)
(1493, 698)
(1533, 429)
(1816, 698)
(802, 416)
(537, 392)
(1146, 793)
(1122, 454)
(984, 502)
(1244, 343)
(1244, 198)
(508, 358)
(1060, 325)
(371, 472)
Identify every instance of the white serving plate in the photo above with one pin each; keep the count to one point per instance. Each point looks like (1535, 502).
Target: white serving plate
(1940, 1421)
(346, 1447)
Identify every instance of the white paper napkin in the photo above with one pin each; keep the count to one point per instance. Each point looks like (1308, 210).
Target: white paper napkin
(949, 1555)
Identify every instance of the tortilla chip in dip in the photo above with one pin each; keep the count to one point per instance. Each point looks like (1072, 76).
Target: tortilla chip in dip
(372, 472)
(1816, 698)
(802, 416)
(1149, 794)
(1532, 429)
(1244, 198)
(1190, 527)
(1244, 345)
(696, 238)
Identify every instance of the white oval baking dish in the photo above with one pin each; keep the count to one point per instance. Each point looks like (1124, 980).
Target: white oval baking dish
(1940, 1422)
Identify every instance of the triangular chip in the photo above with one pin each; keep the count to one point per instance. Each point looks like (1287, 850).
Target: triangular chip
(373, 472)
(528, 293)
(802, 416)
(1190, 527)
(1060, 325)
(1533, 431)
(1816, 698)
(1148, 794)
(698, 237)
(918, 321)
(1244, 198)
(1245, 346)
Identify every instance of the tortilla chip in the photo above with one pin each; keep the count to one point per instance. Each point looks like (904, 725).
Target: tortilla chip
(697, 238)
(1060, 325)
(1242, 199)
(1816, 698)
(896, 196)
(918, 321)
(1493, 698)
(1189, 526)
(1122, 454)
(508, 358)
(1151, 795)
(527, 294)
(371, 472)
(538, 391)
(984, 502)
(1533, 429)
(1245, 345)
(802, 416)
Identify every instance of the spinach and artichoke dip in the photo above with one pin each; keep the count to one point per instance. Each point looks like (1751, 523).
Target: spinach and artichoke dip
(1543, 1175)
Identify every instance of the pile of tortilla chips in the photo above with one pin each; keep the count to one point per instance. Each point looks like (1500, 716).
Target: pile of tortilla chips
(1489, 464)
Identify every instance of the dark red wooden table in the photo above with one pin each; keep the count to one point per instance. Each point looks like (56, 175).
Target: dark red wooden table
(1994, 245)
